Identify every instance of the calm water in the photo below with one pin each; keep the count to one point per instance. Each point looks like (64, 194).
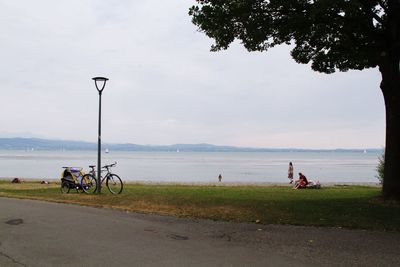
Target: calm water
(248, 167)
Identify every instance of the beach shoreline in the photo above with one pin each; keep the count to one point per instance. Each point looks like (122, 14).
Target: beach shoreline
(227, 184)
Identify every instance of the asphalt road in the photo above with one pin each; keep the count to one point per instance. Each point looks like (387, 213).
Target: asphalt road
(35, 233)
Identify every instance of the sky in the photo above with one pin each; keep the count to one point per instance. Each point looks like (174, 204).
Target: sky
(165, 86)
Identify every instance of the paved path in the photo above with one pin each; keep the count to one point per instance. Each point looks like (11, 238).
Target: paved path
(35, 233)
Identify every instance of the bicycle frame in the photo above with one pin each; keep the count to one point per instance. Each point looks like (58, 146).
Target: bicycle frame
(112, 180)
(105, 168)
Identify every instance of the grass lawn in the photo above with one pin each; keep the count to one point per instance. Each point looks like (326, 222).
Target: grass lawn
(337, 206)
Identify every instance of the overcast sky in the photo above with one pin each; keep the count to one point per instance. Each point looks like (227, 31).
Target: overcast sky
(165, 85)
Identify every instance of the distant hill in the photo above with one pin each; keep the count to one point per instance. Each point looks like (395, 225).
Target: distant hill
(44, 144)
(48, 144)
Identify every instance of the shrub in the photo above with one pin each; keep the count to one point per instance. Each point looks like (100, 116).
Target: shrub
(381, 167)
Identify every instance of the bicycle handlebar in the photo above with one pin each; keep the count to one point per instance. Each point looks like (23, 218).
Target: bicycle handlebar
(105, 166)
(110, 165)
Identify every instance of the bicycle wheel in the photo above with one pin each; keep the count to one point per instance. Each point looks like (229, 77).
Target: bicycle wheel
(114, 184)
(64, 187)
(89, 184)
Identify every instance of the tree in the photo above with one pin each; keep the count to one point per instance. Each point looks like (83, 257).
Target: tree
(331, 34)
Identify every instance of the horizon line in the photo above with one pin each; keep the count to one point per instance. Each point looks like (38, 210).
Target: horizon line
(196, 144)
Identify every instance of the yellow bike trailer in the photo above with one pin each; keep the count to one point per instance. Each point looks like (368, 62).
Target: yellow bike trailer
(71, 178)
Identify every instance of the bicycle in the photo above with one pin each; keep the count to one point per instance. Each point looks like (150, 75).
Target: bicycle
(113, 181)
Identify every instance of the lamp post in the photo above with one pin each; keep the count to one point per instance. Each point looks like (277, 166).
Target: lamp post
(100, 83)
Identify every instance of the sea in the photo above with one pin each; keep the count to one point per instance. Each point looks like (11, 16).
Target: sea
(198, 167)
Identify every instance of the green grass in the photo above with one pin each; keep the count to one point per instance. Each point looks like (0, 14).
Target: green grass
(338, 206)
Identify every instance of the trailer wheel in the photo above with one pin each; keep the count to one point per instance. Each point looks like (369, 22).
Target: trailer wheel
(64, 187)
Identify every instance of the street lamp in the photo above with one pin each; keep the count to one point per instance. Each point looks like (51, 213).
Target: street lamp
(100, 82)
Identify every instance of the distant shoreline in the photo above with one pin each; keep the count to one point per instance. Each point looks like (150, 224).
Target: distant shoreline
(37, 144)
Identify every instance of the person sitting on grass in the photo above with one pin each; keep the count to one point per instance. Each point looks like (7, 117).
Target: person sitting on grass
(302, 182)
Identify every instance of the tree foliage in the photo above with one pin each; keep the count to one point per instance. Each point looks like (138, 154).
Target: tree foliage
(323, 32)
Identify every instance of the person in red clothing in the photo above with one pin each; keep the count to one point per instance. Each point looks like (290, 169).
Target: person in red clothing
(301, 182)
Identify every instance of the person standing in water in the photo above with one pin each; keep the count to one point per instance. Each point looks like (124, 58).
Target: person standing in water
(290, 172)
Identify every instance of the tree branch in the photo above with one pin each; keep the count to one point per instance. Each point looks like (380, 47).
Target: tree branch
(383, 5)
(371, 15)
(377, 18)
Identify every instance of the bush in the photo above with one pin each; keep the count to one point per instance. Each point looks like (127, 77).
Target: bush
(381, 168)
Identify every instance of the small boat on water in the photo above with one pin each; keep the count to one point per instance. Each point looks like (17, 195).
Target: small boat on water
(107, 151)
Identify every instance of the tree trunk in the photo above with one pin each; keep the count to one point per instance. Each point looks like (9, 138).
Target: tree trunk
(391, 181)
(390, 70)
(391, 92)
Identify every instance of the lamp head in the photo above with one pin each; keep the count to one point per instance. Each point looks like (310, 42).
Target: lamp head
(100, 82)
